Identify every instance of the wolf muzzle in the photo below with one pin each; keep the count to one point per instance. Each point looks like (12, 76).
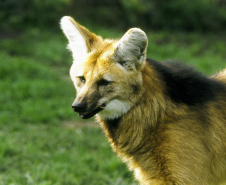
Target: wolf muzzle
(79, 106)
(83, 111)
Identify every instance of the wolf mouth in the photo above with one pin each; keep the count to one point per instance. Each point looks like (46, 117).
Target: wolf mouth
(87, 115)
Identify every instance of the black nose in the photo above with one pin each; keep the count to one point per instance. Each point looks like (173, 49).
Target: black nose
(79, 106)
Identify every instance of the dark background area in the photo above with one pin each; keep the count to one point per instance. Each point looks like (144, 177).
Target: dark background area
(186, 15)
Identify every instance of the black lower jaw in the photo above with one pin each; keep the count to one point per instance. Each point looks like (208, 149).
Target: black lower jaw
(90, 114)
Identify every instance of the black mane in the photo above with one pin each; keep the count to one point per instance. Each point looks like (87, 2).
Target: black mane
(185, 85)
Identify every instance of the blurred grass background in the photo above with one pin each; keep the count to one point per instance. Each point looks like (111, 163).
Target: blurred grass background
(42, 141)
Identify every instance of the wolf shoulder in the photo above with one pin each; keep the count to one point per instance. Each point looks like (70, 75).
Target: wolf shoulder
(184, 84)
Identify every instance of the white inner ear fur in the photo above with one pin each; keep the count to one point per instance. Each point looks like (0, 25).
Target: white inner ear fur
(131, 49)
(77, 42)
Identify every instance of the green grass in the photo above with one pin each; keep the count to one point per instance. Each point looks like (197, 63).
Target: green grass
(58, 154)
(42, 141)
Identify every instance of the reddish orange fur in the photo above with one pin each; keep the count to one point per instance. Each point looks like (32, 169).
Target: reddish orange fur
(164, 142)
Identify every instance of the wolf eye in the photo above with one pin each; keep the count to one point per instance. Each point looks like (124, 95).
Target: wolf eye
(103, 82)
(82, 79)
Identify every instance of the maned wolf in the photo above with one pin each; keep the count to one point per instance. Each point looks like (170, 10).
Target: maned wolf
(165, 120)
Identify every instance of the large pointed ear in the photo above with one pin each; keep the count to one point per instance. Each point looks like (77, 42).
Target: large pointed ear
(81, 40)
(131, 49)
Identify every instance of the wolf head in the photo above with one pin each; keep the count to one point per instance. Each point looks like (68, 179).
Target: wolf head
(106, 73)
